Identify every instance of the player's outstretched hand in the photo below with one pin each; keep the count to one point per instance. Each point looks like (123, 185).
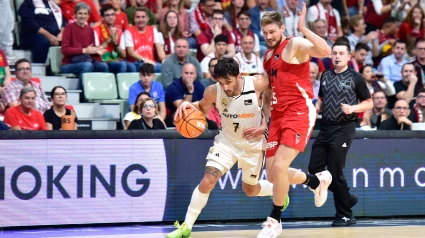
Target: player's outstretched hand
(347, 109)
(301, 21)
(253, 132)
(181, 110)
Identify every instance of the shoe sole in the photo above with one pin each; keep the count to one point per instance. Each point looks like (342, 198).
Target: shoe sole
(348, 224)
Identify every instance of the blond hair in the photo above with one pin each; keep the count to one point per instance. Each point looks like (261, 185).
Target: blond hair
(272, 18)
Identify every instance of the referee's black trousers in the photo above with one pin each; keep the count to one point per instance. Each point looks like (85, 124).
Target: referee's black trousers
(330, 150)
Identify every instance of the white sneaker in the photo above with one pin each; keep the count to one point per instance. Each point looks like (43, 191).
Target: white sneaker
(321, 192)
(271, 228)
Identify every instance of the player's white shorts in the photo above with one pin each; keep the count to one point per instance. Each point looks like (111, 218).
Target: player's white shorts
(224, 155)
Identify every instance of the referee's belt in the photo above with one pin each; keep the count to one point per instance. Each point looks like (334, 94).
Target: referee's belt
(338, 122)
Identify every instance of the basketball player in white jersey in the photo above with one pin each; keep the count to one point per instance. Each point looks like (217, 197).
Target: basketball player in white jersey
(240, 139)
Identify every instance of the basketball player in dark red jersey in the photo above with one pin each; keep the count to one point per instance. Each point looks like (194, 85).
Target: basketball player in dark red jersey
(293, 113)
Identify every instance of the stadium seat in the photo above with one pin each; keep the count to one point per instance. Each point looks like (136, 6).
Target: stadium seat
(157, 77)
(125, 80)
(99, 86)
(55, 57)
(193, 52)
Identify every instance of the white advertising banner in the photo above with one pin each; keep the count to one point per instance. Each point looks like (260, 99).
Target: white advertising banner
(80, 181)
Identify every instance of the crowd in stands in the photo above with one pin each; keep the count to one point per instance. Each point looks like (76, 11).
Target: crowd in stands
(387, 38)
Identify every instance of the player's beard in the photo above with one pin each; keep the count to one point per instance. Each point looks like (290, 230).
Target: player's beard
(272, 47)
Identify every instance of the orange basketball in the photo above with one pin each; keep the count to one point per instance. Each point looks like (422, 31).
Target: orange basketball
(192, 125)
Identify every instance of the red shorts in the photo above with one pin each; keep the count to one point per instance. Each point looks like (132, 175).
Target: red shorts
(292, 127)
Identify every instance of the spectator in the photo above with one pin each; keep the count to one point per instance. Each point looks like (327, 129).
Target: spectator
(320, 28)
(387, 37)
(206, 38)
(68, 10)
(4, 76)
(399, 120)
(108, 36)
(148, 120)
(121, 22)
(185, 88)
(171, 31)
(324, 10)
(353, 7)
(358, 29)
(172, 67)
(407, 87)
(359, 56)
(79, 52)
(6, 34)
(155, 89)
(314, 80)
(379, 107)
(200, 18)
(413, 27)
(233, 10)
(3, 126)
(141, 40)
(155, 5)
(130, 12)
(291, 15)
(11, 94)
(42, 26)
(391, 65)
(4, 70)
(23, 116)
(220, 44)
(135, 113)
(249, 63)
(376, 82)
(211, 80)
(419, 63)
(256, 13)
(177, 6)
(53, 116)
(418, 112)
(377, 12)
(244, 22)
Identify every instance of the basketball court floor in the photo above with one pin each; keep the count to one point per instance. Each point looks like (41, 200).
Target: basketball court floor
(388, 228)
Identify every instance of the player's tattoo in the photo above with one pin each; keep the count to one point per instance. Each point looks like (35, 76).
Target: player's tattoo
(213, 171)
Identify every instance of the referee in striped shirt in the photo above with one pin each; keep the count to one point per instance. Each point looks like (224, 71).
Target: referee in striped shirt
(343, 93)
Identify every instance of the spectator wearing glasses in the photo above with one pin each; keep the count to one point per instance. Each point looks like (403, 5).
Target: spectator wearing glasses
(149, 119)
(53, 116)
(399, 120)
(136, 111)
(206, 38)
(211, 80)
(24, 116)
(379, 107)
(108, 36)
(12, 91)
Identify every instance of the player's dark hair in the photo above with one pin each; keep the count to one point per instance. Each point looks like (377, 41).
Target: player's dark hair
(226, 68)
(342, 41)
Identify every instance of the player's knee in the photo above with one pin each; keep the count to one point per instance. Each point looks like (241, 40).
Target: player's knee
(249, 190)
(279, 169)
(270, 177)
(208, 183)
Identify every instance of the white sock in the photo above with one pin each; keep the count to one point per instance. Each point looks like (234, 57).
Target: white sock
(266, 188)
(197, 203)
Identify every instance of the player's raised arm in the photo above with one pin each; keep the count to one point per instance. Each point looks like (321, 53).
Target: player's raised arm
(314, 45)
(204, 105)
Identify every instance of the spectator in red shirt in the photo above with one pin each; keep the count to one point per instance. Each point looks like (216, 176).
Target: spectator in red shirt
(68, 7)
(121, 22)
(78, 46)
(4, 76)
(109, 36)
(413, 27)
(141, 40)
(206, 38)
(23, 116)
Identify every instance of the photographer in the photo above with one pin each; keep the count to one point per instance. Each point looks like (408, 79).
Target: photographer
(377, 82)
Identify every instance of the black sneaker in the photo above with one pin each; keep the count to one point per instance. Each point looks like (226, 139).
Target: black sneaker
(353, 199)
(344, 221)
